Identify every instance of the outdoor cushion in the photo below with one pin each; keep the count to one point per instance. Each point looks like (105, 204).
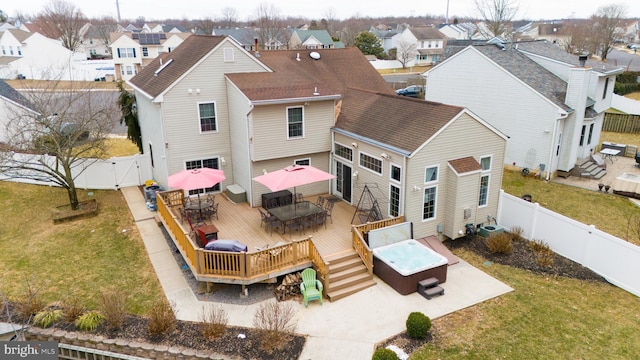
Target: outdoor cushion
(226, 245)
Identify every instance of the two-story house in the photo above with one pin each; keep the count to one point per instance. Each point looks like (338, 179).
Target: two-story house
(133, 51)
(211, 103)
(12, 106)
(550, 103)
(310, 39)
(429, 42)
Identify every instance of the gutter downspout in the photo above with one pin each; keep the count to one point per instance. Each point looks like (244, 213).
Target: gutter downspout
(249, 154)
(333, 141)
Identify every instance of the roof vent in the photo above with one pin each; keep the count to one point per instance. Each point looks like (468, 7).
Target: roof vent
(162, 66)
(315, 55)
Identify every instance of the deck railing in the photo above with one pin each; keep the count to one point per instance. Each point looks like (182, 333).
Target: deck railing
(234, 267)
(358, 233)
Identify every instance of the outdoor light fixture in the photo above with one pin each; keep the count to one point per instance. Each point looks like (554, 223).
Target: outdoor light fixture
(355, 174)
(223, 161)
(354, 144)
(386, 156)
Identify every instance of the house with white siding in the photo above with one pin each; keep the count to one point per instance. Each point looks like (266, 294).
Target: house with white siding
(211, 103)
(12, 106)
(429, 44)
(550, 103)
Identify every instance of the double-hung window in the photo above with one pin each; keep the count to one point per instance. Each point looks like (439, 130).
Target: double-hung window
(430, 193)
(207, 115)
(211, 163)
(126, 52)
(485, 163)
(394, 190)
(295, 122)
(145, 51)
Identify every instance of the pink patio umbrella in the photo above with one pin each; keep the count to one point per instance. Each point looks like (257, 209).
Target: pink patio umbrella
(196, 178)
(292, 176)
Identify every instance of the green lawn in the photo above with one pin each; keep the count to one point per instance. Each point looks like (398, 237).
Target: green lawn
(79, 258)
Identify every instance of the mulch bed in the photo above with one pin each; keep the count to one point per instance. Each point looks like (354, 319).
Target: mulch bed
(235, 343)
(522, 257)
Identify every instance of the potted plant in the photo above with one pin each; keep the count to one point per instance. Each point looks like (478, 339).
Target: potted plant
(600, 186)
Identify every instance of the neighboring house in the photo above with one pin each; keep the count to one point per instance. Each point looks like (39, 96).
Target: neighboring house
(387, 38)
(410, 150)
(629, 31)
(211, 103)
(133, 51)
(549, 103)
(12, 105)
(95, 42)
(429, 43)
(311, 39)
(162, 28)
(460, 31)
(552, 32)
(6, 26)
(21, 55)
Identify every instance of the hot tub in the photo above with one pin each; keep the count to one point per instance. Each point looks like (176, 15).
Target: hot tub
(403, 264)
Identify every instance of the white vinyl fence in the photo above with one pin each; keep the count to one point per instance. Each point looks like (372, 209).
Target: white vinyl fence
(615, 259)
(113, 173)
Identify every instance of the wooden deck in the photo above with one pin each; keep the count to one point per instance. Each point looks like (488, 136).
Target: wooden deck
(243, 223)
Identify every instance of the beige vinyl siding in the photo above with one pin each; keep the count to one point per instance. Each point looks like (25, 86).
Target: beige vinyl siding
(318, 160)
(182, 126)
(239, 163)
(465, 189)
(512, 107)
(453, 143)
(150, 120)
(270, 130)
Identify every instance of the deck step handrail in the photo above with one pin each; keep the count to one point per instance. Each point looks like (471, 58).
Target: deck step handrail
(358, 233)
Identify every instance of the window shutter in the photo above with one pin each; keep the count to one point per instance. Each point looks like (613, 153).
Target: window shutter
(134, 52)
(119, 52)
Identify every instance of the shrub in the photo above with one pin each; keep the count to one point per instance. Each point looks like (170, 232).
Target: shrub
(46, 318)
(499, 243)
(72, 308)
(384, 354)
(30, 303)
(544, 254)
(213, 321)
(89, 321)
(516, 233)
(418, 325)
(161, 317)
(276, 320)
(113, 308)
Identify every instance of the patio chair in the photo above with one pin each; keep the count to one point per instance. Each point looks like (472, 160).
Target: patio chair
(329, 209)
(308, 221)
(320, 201)
(310, 287)
(299, 197)
(270, 222)
(212, 211)
(321, 218)
(294, 224)
(192, 225)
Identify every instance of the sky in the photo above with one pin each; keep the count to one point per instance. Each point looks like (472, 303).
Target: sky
(341, 9)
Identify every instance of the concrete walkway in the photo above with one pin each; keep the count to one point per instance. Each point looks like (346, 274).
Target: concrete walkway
(345, 329)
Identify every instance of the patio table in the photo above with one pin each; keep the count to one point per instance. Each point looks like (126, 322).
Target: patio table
(609, 153)
(288, 212)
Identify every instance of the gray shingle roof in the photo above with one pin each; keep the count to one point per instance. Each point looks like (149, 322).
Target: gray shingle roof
(401, 122)
(551, 51)
(6, 91)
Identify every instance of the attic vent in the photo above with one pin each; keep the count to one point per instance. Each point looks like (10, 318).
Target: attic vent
(162, 66)
(314, 55)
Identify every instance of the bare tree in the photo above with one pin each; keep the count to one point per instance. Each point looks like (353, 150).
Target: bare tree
(62, 20)
(206, 25)
(577, 37)
(104, 27)
(270, 24)
(64, 135)
(351, 28)
(229, 17)
(406, 51)
(607, 21)
(497, 15)
(328, 19)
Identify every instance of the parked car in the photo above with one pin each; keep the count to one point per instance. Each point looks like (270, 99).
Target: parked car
(633, 46)
(413, 91)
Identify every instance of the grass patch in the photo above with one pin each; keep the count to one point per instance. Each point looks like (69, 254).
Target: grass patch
(412, 69)
(620, 138)
(78, 258)
(120, 147)
(634, 96)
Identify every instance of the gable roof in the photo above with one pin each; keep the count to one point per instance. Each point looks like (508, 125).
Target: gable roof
(11, 94)
(183, 58)
(20, 35)
(426, 33)
(321, 35)
(400, 122)
(330, 75)
(244, 36)
(528, 71)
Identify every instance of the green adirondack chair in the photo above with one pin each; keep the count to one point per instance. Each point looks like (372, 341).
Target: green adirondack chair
(311, 288)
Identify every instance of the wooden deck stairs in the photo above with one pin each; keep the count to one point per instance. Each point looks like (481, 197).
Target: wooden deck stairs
(347, 275)
(587, 168)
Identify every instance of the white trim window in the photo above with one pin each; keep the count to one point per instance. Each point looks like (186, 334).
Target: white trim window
(145, 51)
(430, 198)
(371, 163)
(344, 152)
(126, 52)
(207, 117)
(485, 163)
(212, 163)
(394, 200)
(295, 122)
(305, 161)
(395, 173)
